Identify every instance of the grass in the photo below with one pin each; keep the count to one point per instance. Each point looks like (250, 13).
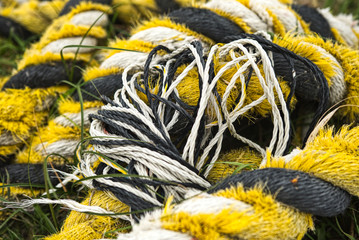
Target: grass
(11, 50)
(45, 220)
(343, 6)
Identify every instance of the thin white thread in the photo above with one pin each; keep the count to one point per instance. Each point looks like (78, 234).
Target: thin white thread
(71, 204)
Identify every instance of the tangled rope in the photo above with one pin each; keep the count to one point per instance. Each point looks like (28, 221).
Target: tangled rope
(43, 70)
(157, 144)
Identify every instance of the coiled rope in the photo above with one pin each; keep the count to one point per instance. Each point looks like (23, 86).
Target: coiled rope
(42, 70)
(143, 128)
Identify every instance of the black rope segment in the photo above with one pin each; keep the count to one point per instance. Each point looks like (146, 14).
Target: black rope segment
(318, 80)
(167, 6)
(9, 26)
(307, 88)
(145, 145)
(131, 125)
(136, 203)
(293, 188)
(179, 132)
(45, 75)
(154, 99)
(206, 22)
(98, 87)
(73, 3)
(6, 159)
(141, 182)
(29, 173)
(317, 23)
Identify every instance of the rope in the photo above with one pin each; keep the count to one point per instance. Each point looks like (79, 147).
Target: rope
(28, 18)
(179, 100)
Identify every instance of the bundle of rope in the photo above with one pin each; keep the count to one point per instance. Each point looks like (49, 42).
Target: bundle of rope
(182, 26)
(175, 105)
(28, 18)
(139, 129)
(42, 69)
(28, 95)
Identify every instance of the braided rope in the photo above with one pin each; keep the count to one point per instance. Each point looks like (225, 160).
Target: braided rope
(28, 18)
(142, 126)
(106, 145)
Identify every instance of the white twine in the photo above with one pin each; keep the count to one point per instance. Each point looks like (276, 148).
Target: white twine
(152, 163)
(70, 204)
(86, 170)
(269, 84)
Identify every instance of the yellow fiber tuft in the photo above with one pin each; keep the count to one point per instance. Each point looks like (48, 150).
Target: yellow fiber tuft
(331, 157)
(8, 150)
(356, 33)
(244, 2)
(82, 226)
(36, 152)
(265, 219)
(54, 132)
(71, 106)
(23, 109)
(132, 10)
(278, 26)
(188, 90)
(130, 45)
(88, 6)
(97, 72)
(13, 192)
(227, 163)
(300, 46)
(51, 9)
(286, 1)
(35, 57)
(338, 37)
(29, 16)
(69, 30)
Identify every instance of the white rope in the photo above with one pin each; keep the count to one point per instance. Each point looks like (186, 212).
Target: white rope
(165, 36)
(166, 168)
(338, 87)
(71, 204)
(345, 30)
(95, 17)
(269, 84)
(237, 9)
(280, 10)
(86, 170)
(75, 119)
